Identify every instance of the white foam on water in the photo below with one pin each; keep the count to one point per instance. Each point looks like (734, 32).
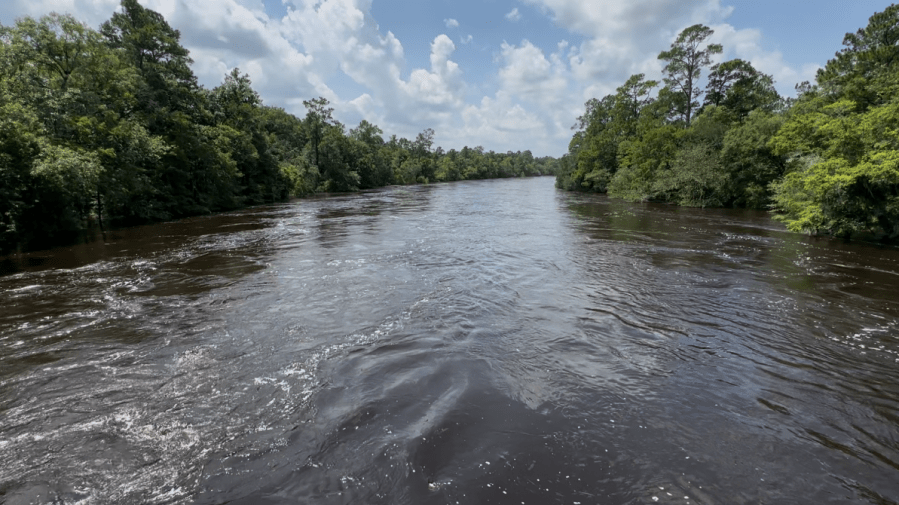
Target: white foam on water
(25, 288)
(871, 340)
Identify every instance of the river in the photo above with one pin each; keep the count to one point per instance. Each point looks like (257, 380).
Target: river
(476, 342)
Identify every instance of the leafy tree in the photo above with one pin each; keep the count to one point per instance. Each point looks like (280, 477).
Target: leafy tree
(21, 136)
(318, 119)
(69, 180)
(423, 143)
(827, 161)
(840, 140)
(153, 46)
(646, 155)
(844, 176)
(751, 164)
(864, 71)
(82, 92)
(170, 105)
(60, 67)
(338, 162)
(684, 63)
(584, 120)
(608, 123)
(695, 178)
(237, 105)
(111, 127)
(373, 167)
(236, 96)
(58, 44)
(368, 133)
(631, 98)
(421, 150)
(287, 144)
(737, 85)
(594, 152)
(448, 168)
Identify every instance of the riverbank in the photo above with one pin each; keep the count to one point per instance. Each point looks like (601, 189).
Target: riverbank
(826, 161)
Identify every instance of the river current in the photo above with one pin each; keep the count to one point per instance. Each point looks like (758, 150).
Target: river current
(477, 342)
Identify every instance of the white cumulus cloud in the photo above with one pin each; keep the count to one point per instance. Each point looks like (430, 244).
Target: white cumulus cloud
(625, 38)
(513, 15)
(526, 97)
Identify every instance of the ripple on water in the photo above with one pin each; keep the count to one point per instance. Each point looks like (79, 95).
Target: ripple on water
(481, 342)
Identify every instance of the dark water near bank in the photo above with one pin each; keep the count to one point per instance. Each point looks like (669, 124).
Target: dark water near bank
(479, 342)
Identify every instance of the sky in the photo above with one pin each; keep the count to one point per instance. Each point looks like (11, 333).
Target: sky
(508, 75)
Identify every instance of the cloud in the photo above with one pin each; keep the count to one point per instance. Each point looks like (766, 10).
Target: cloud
(92, 12)
(440, 86)
(513, 15)
(636, 19)
(624, 38)
(525, 98)
(316, 46)
(232, 33)
(532, 108)
(528, 74)
(502, 124)
(746, 44)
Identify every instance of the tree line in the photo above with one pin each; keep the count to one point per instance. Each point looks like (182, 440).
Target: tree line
(110, 127)
(826, 161)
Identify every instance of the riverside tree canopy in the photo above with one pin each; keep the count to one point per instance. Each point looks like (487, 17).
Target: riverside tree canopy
(110, 126)
(825, 162)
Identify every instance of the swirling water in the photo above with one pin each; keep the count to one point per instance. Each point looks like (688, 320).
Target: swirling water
(476, 342)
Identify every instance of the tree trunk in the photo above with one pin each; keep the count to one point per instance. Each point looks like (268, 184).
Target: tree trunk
(100, 212)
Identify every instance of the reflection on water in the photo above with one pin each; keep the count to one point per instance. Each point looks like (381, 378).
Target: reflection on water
(477, 342)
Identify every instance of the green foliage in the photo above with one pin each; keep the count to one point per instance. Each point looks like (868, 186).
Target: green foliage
(644, 158)
(842, 199)
(110, 126)
(695, 178)
(683, 66)
(737, 85)
(153, 47)
(371, 158)
(864, 71)
(845, 169)
(608, 123)
(20, 141)
(827, 161)
(68, 180)
(318, 119)
(841, 141)
(338, 162)
(751, 164)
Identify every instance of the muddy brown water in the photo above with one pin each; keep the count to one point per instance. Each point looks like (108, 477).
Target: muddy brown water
(479, 342)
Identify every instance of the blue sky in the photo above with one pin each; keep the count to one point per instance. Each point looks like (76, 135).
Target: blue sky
(503, 74)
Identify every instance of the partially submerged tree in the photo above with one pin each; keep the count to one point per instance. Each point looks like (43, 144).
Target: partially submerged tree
(841, 140)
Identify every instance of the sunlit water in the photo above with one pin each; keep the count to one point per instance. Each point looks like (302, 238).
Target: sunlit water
(479, 342)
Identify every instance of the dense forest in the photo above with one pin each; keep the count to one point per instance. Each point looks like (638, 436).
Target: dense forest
(826, 161)
(110, 126)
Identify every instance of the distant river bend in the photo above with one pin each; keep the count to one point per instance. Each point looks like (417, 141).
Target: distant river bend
(477, 342)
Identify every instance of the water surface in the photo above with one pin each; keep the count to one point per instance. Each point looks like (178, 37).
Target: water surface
(476, 342)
